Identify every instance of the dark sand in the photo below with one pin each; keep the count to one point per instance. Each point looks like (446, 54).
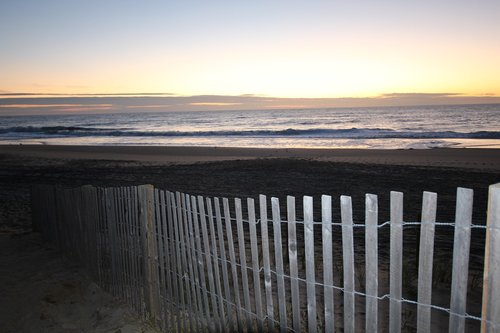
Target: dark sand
(227, 172)
(460, 157)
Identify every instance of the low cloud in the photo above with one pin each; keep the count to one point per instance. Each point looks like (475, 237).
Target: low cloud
(36, 106)
(213, 104)
(28, 103)
(419, 95)
(4, 93)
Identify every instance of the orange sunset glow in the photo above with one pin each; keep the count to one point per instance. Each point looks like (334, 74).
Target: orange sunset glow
(281, 50)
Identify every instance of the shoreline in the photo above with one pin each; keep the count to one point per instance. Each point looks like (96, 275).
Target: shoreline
(468, 158)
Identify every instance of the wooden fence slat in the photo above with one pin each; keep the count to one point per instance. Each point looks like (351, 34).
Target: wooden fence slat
(123, 244)
(255, 263)
(208, 259)
(326, 217)
(426, 253)
(109, 233)
(491, 280)
(121, 247)
(458, 300)
(172, 236)
(176, 212)
(188, 268)
(88, 223)
(348, 259)
(126, 249)
(115, 241)
(310, 266)
(141, 258)
(396, 262)
(159, 258)
(67, 223)
(243, 260)
(280, 280)
(111, 237)
(85, 234)
(232, 258)
(225, 273)
(103, 281)
(130, 250)
(201, 260)
(168, 293)
(193, 318)
(112, 241)
(267, 261)
(215, 259)
(146, 207)
(128, 244)
(59, 218)
(88, 227)
(97, 232)
(371, 251)
(293, 256)
(193, 264)
(95, 220)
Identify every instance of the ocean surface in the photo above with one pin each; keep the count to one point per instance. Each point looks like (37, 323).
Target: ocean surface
(381, 127)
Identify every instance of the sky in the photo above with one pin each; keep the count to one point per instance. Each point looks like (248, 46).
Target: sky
(328, 51)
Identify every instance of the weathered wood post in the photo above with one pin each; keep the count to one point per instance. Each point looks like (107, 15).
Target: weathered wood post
(461, 247)
(371, 255)
(348, 260)
(491, 279)
(396, 262)
(146, 207)
(426, 253)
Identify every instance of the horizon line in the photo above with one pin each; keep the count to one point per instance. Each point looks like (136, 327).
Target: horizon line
(4, 93)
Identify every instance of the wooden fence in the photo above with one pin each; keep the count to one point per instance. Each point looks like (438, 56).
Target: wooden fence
(196, 264)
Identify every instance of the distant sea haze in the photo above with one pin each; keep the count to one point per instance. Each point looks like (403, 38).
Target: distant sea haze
(386, 128)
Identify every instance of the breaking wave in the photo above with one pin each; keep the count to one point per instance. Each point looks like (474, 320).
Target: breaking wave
(351, 133)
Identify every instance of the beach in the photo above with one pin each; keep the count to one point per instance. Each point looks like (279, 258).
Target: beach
(468, 158)
(214, 172)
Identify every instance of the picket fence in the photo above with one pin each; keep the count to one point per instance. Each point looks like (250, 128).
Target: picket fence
(195, 264)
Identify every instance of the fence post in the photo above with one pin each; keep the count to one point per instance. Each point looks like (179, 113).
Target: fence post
(280, 279)
(310, 267)
(293, 257)
(426, 253)
(348, 260)
(146, 207)
(326, 217)
(458, 300)
(266, 261)
(371, 255)
(491, 279)
(396, 262)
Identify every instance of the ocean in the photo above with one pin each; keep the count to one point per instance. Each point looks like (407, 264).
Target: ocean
(409, 127)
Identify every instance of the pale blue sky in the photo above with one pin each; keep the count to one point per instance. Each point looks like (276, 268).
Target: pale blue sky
(278, 48)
